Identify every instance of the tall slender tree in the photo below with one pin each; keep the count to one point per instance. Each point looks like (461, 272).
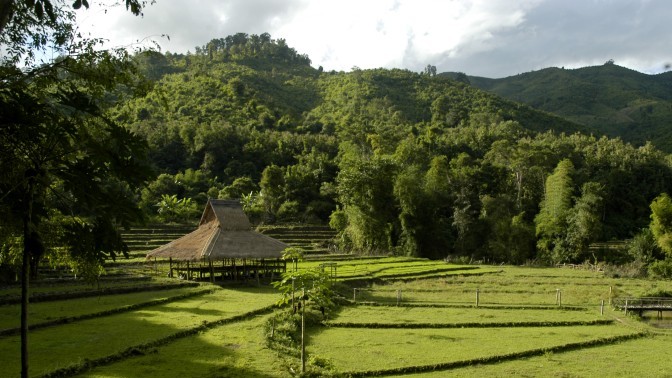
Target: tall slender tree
(58, 149)
(551, 221)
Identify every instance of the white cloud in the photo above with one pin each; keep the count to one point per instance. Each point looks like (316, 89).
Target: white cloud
(492, 38)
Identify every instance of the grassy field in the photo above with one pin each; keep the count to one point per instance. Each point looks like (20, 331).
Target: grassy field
(57, 347)
(46, 311)
(414, 315)
(233, 350)
(626, 359)
(379, 349)
(220, 331)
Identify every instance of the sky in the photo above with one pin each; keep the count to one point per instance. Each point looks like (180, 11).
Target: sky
(490, 38)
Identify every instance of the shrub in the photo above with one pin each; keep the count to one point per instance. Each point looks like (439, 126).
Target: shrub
(661, 269)
(289, 211)
(634, 269)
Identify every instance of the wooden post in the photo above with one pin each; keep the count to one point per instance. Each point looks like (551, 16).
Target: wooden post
(256, 272)
(626, 307)
(303, 329)
(212, 271)
(560, 298)
(354, 295)
(478, 297)
(557, 296)
(602, 307)
(188, 271)
(610, 294)
(170, 267)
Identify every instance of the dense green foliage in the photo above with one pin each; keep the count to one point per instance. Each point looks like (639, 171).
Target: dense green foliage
(610, 99)
(415, 164)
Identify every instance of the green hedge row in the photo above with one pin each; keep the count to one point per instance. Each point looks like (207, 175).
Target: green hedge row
(494, 359)
(469, 325)
(118, 310)
(149, 347)
(47, 297)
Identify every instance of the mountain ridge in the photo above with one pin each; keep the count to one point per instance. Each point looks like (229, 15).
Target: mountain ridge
(614, 100)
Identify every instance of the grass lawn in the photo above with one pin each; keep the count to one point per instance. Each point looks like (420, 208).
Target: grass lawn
(57, 347)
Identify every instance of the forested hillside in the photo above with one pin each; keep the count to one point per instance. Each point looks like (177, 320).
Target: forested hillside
(396, 161)
(613, 100)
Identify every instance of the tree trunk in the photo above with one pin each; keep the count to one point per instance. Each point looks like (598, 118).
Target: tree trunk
(25, 276)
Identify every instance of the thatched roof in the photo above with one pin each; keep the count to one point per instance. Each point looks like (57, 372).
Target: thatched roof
(224, 232)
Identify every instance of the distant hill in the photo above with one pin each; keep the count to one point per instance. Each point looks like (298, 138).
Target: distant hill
(611, 99)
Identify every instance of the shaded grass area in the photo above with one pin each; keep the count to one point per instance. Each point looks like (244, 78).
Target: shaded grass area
(61, 346)
(415, 315)
(643, 357)
(379, 349)
(232, 350)
(49, 311)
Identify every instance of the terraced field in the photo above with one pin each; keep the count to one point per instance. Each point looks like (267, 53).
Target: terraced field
(314, 240)
(411, 317)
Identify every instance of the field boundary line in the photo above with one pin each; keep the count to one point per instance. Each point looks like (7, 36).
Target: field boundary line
(496, 358)
(114, 311)
(596, 322)
(480, 306)
(142, 349)
(51, 297)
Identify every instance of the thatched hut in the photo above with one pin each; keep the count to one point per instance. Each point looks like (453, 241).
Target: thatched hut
(224, 245)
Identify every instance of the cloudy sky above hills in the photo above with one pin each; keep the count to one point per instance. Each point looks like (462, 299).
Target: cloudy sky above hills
(491, 38)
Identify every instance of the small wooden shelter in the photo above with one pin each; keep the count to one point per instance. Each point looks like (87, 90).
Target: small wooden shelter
(225, 246)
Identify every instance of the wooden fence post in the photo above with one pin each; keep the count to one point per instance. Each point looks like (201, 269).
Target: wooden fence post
(602, 307)
(477, 297)
(354, 295)
(610, 294)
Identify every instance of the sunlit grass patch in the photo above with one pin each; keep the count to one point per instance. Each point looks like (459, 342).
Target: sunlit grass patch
(643, 357)
(377, 349)
(412, 315)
